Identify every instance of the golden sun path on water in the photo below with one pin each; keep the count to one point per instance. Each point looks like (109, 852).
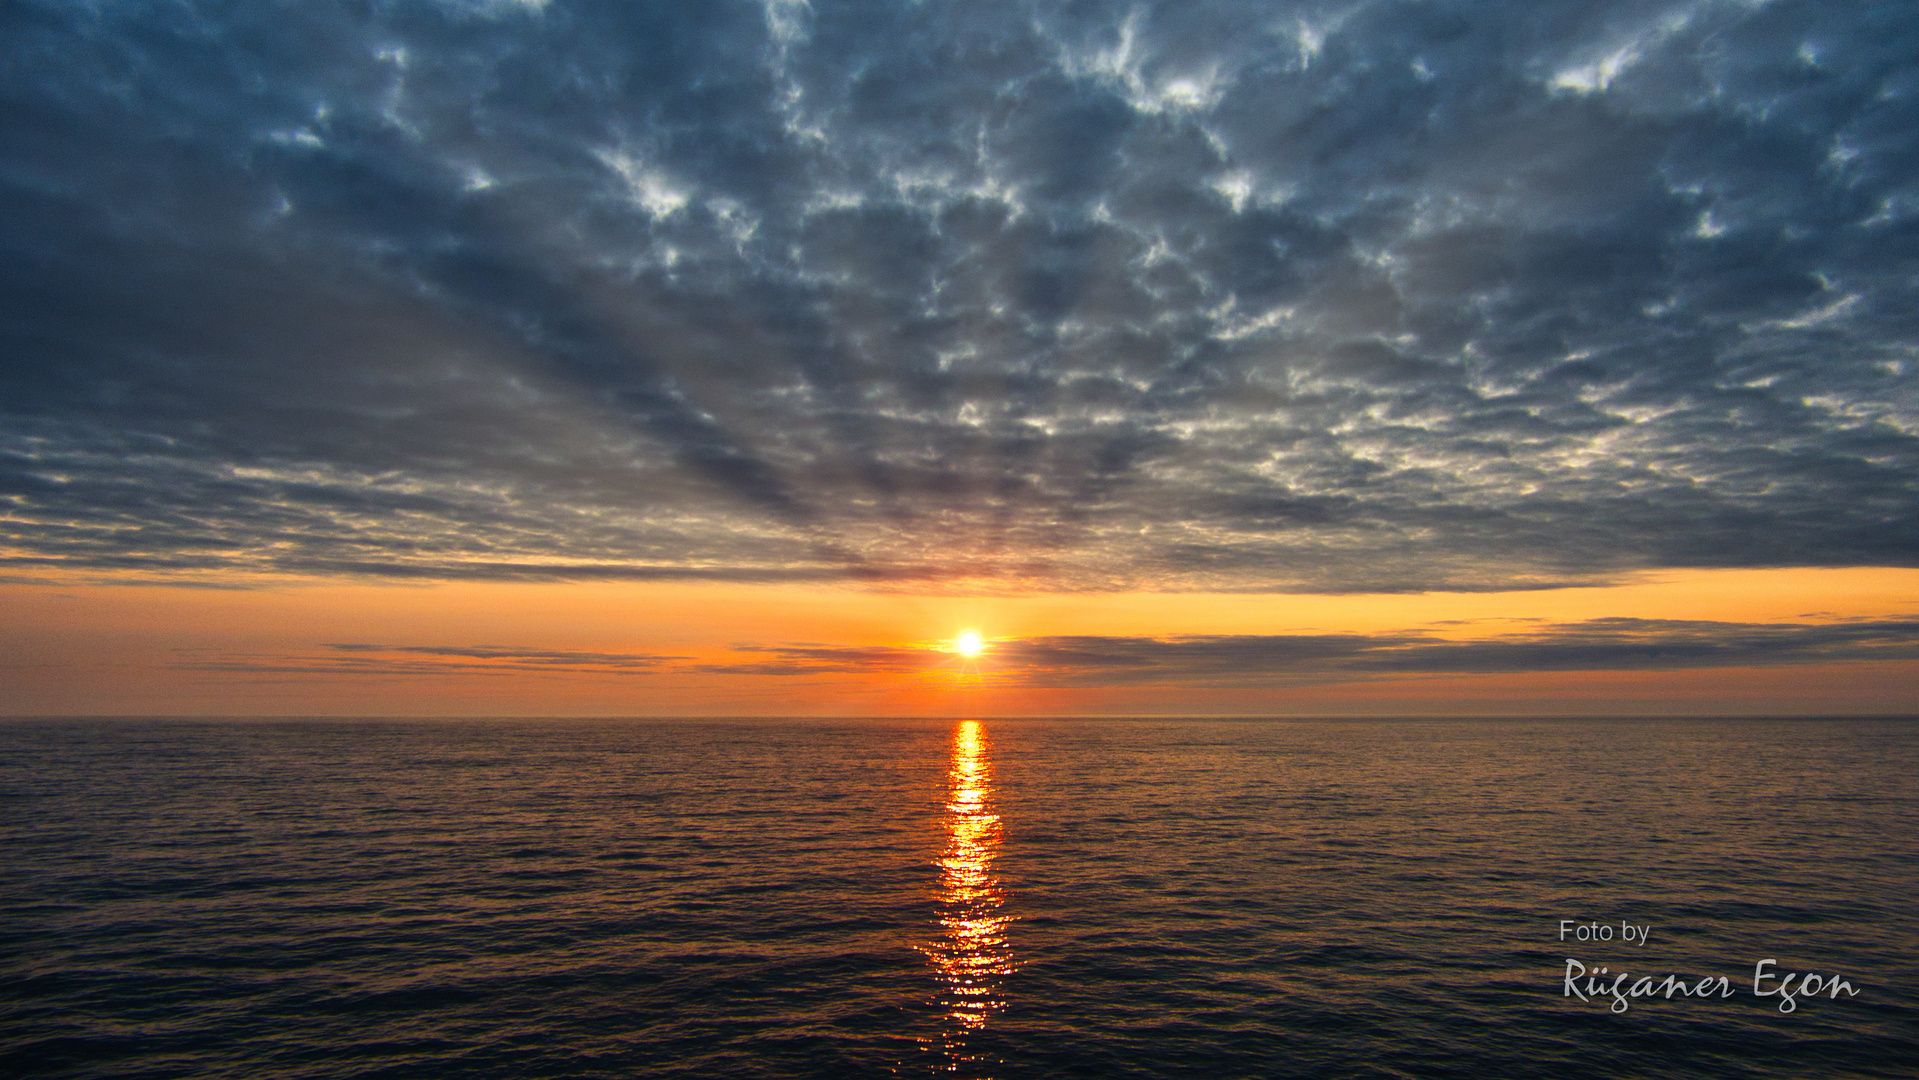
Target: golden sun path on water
(971, 954)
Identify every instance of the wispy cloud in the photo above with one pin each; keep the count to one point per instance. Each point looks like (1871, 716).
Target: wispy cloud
(367, 659)
(1616, 644)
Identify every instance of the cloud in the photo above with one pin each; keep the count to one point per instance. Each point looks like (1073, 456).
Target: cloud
(1613, 644)
(1224, 295)
(832, 660)
(366, 659)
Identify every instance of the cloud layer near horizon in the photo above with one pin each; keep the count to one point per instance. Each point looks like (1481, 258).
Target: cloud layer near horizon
(1049, 295)
(1612, 644)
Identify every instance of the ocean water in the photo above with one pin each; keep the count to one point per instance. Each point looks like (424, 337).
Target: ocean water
(1004, 899)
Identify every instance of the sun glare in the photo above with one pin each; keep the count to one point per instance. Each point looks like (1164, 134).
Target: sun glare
(968, 644)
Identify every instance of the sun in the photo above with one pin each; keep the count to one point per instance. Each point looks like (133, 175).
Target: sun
(968, 644)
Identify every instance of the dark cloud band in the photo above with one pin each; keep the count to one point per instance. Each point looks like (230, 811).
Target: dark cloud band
(1618, 644)
(1258, 660)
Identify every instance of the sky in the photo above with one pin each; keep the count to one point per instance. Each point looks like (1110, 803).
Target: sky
(482, 356)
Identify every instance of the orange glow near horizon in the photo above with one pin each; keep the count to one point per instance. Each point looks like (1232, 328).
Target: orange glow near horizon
(308, 647)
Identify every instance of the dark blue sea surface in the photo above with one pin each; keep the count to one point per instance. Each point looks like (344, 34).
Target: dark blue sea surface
(1006, 899)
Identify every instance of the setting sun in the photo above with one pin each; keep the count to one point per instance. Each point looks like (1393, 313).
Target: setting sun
(968, 644)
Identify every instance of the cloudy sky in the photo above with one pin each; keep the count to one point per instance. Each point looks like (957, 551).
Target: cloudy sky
(963, 299)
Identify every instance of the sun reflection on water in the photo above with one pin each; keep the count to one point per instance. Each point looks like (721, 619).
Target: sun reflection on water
(971, 953)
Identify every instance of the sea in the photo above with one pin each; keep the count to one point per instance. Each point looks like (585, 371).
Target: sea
(976, 898)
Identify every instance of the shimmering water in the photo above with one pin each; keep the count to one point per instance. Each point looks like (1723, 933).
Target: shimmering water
(1001, 899)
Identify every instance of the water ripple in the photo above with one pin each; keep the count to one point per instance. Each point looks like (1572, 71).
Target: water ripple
(1001, 899)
